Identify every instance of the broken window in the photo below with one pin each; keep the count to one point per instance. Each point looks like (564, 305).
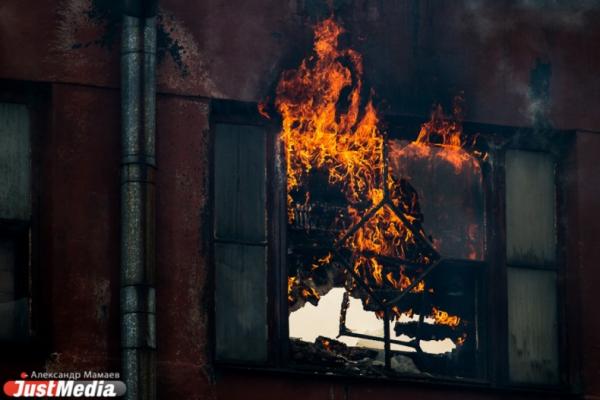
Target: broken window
(348, 243)
(381, 232)
(322, 282)
(355, 289)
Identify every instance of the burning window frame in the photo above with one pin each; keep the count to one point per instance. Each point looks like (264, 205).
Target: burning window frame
(492, 316)
(496, 141)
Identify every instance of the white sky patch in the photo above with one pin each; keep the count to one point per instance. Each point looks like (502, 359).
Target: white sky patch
(310, 322)
(437, 346)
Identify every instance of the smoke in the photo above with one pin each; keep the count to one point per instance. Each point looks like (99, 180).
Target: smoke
(535, 23)
(489, 18)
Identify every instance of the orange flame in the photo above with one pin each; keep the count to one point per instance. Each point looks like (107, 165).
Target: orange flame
(444, 132)
(323, 261)
(292, 283)
(325, 127)
(443, 318)
(262, 109)
(404, 281)
(304, 290)
(347, 145)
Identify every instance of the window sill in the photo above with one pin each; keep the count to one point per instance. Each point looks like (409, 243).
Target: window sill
(430, 381)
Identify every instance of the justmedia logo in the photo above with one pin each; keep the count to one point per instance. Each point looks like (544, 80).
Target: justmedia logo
(63, 387)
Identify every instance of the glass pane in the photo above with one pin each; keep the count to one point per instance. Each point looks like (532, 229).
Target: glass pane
(530, 208)
(13, 311)
(450, 191)
(532, 326)
(7, 271)
(241, 302)
(240, 188)
(333, 317)
(15, 170)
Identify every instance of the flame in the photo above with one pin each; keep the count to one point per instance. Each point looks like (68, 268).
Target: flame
(444, 133)
(310, 292)
(443, 318)
(303, 289)
(323, 261)
(262, 109)
(398, 313)
(461, 340)
(347, 145)
(326, 127)
(404, 281)
(292, 283)
(448, 130)
(383, 234)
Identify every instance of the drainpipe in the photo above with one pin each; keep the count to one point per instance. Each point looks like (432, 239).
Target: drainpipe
(138, 167)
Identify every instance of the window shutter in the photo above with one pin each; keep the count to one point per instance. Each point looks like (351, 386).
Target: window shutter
(532, 326)
(240, 243)
(531, 257)
(530, 205)
(15, 162)
(15, 215)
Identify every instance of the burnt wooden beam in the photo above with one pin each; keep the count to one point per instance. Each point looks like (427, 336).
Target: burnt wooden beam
(427, 331)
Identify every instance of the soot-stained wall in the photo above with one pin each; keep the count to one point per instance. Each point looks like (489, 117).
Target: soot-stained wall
(519, 63)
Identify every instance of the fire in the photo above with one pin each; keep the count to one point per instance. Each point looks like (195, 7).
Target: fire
(461, 340)
(292, 283)
(262, 109)
(324, 128)
(442, 137)
(443, 318)
(404, 281)
(398, 313)
(448, 130)
(347, 145)
(383, 234)
(307, 292)
(377, 270)
(327, 128)
(322, 261)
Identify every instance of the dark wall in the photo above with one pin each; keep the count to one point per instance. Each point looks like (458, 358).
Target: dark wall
(516, 66)
(501, 53)
(588, 193)
(182, 246)
(79, 227)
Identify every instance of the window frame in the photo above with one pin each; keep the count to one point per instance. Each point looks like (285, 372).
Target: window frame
(493, 139)
(558, 145)
(36, 97)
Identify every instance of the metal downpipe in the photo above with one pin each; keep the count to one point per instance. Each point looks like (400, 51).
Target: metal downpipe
(138, 168)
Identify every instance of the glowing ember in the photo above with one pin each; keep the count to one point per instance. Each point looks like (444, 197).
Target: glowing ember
(262, 109)
(443, 318)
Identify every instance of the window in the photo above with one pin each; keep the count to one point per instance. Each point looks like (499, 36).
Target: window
(286, 297)
(15, 217)
(531, 267)
(240, 238)
(357, 290)
(23, 117)
(240, 242)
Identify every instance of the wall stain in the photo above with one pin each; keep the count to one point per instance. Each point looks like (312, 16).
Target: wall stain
(107, 14)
